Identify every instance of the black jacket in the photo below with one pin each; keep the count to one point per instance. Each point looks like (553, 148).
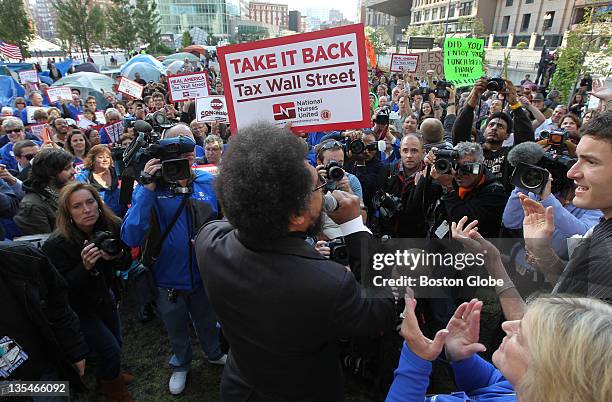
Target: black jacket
(283, 307)
(42, 292)
(37, 211)
(496, 161)
(88, 290)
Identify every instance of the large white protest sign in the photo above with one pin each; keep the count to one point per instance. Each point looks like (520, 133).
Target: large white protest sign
(211, 108)
(57, 93)
(28, 76)
(407, 63)
(188, 86)
(131, 88)
(315, 81)
(30, 113)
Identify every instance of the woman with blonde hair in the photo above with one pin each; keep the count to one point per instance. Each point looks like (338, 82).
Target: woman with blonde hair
(86, 250)
(100, 173)
(561, 350)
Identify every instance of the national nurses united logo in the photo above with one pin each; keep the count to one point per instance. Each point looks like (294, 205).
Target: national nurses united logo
(325, 114)
(284, 111)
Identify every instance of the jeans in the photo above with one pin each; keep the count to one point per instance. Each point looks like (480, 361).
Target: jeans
(51, 376)
(190, 307)
(104, 338)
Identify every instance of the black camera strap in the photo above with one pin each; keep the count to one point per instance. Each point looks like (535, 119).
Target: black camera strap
(157, 247)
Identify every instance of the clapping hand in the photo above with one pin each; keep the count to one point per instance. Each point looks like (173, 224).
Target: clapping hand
(420, 345)
(464, 331)
(538, 224)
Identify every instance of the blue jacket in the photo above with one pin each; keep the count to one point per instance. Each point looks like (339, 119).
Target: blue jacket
(477, 378)
(569, 220)
(176, 267)
(110, 196)
(8, 157)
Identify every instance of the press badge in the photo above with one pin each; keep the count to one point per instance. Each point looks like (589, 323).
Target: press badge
(442, 230)
(11, 356)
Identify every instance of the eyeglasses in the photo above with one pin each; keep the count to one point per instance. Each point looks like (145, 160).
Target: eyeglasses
(322, 183)
(15, 131)
(212, 149)
(28, 156)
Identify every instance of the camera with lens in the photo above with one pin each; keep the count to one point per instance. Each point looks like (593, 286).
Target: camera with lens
(424, 91)
(357, 147)
(105, 241)
(495, 84)
(338, 251)
(440, 91)
(445, 160)
(556, 137)
(335, 173)
(159, 121)
(382, 117)
(534, 178)
(386, 204)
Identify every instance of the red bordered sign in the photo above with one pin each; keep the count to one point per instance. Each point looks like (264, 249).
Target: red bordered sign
(130, 88)
(404, 63)
(182, 87)
(316, 81)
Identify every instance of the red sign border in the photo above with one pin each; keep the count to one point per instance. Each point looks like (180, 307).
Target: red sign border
(52, 87)
(357, 29)
(405, 54)
(130, 95)
(205, 72)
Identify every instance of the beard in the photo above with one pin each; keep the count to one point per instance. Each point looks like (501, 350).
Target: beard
(316, 227)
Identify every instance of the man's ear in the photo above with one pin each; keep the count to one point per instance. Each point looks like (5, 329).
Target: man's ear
(296, 221)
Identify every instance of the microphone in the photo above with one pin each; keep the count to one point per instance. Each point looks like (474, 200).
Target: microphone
(330, 203)
(526, 152)
(142, 126)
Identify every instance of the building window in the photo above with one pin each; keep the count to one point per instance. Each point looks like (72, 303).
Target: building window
(426, 15)
(525, 24)
(442, 12)
(467, 8)
(548, 20)
(528, 1)
(505, 24)
(451, 11)
(434, 14)
(509, 3)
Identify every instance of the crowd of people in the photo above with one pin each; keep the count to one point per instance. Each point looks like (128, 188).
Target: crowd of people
(257, 241)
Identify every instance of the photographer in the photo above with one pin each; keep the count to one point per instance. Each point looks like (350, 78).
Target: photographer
(260, 257)
(87, 253)
(330, 157)
(169, 221)
(401, 179)
(498, 128)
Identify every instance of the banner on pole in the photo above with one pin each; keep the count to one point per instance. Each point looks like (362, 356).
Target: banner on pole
(316, 81)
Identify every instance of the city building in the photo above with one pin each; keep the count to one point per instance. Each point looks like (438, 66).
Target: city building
(218, 18)
(392, 15)
(455, 17)
(270, 13)
(295, 21)
(335, 15)
(45, 19)
(547, 21)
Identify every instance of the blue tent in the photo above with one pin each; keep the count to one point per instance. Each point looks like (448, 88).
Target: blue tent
(45, 78)
(9, 90)
(64, 66)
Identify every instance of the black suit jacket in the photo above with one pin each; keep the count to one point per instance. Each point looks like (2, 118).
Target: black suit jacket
(283, 306)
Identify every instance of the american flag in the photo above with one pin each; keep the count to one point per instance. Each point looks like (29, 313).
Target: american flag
(10, 51)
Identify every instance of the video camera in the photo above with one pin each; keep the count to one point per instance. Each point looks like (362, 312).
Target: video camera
(387, 205)
(533, 178)
(555, 138)
(440, 90)
(158, 121)
(147, 146)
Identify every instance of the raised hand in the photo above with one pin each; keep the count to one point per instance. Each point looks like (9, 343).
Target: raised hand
(463, 332)
(420, 345)
(469, 237)
(538, 224)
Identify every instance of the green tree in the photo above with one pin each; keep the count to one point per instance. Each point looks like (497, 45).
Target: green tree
(186, 39)
(121, 29)
(146, 19)
(581, 41)
(15, 27)
(80, 22)
(379, 39)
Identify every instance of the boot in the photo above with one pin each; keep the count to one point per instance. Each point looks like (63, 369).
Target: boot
(127, 378)
(115, 390)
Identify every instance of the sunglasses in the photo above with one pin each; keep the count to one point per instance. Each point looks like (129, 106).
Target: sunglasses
(28, 156)
(15, 131)
(469, 168)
